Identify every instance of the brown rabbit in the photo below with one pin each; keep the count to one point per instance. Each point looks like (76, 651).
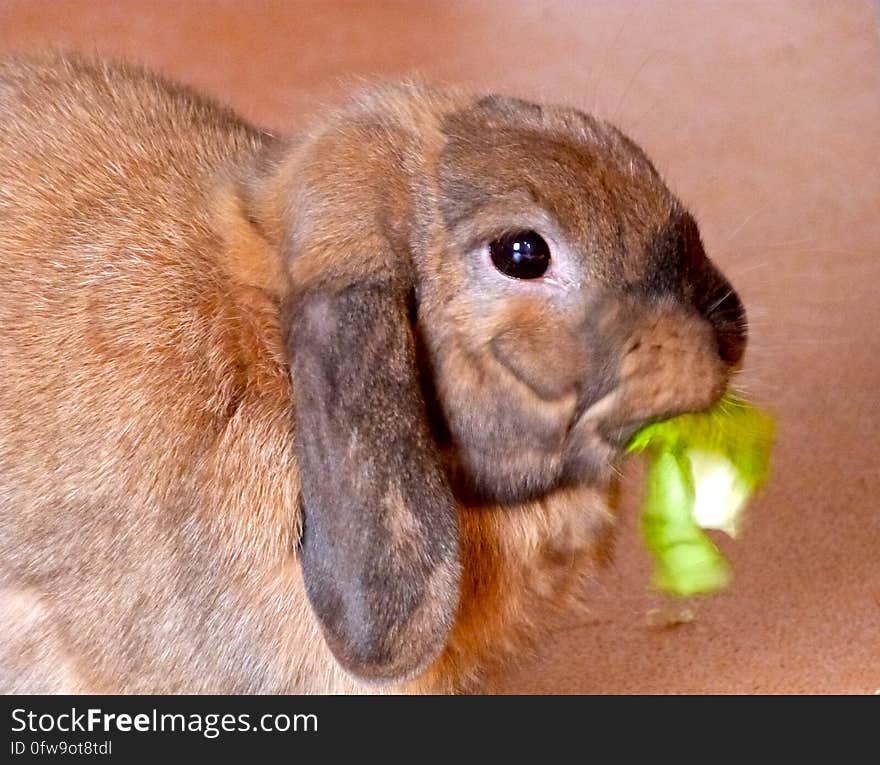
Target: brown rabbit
(334, 412)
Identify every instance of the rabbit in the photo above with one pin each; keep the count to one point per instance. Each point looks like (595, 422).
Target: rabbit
(332, 412)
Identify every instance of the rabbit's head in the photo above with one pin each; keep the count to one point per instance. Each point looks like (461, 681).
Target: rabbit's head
(484, 299)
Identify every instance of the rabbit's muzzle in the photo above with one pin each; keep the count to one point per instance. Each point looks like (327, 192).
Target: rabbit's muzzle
(660, 352)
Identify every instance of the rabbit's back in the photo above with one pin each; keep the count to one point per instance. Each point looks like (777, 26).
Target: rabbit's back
(144, 411)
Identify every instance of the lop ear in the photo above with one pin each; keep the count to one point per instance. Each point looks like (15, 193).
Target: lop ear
(380, 543)
(380, 553)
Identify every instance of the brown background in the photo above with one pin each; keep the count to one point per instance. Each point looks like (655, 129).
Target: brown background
(765, 117)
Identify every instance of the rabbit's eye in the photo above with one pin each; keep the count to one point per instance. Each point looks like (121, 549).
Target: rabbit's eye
(522, 255)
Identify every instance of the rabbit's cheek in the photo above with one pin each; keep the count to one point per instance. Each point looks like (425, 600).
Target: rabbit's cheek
(550, 362)
(506, 442)
(489, 406)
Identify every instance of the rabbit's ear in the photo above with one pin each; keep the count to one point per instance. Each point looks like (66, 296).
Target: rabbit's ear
(380, 542)
(380, 548)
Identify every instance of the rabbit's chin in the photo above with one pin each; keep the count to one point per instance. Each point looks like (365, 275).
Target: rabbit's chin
(513, 476)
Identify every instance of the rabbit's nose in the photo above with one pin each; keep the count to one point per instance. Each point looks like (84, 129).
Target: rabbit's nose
(728, 317)
(719, 304)
(712, 294)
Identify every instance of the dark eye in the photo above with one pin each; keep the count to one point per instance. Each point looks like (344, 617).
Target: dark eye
(522, 255)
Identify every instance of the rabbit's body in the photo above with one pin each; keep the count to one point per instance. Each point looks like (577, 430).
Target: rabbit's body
(145, 405)
(150, 497)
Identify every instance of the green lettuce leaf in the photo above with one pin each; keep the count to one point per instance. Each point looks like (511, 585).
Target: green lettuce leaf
(702, 468)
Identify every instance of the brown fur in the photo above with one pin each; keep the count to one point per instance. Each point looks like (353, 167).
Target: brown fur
(168, 270)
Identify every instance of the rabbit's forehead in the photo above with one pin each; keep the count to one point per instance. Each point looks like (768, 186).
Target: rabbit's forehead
(597, 185)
